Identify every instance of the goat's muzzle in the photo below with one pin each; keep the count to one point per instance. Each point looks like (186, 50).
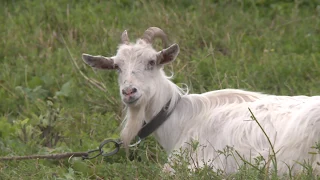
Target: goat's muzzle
(129, 90)
(130, 94)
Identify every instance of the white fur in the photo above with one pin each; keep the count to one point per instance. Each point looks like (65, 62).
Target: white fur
(219, 119)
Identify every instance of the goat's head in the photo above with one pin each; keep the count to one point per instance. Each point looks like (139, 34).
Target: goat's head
(139, 65)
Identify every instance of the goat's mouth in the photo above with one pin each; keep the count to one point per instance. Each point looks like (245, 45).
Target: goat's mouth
(130, 100)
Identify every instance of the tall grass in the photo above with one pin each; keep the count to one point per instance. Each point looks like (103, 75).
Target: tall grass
(46, 106)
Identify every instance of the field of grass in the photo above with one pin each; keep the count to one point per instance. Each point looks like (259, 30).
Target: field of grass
(47, 106)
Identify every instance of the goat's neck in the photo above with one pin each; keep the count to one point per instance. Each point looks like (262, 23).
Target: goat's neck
(167, 92)
(136, 116)
(165, 135)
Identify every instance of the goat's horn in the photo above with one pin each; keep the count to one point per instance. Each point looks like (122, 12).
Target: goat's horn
(154, 32)
(124, 37)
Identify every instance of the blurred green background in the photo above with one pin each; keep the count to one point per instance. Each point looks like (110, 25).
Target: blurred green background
(48, 106)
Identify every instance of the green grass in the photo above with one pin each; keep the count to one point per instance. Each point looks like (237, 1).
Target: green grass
(46, 106)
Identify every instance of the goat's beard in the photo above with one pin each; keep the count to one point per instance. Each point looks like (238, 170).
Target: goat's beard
(132, 124)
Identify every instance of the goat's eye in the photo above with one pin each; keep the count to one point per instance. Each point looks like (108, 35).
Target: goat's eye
(151, 63)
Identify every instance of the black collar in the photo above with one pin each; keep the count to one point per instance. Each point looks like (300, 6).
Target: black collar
(156, 121)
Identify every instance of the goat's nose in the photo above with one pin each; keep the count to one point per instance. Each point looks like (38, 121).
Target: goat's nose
(129, 90)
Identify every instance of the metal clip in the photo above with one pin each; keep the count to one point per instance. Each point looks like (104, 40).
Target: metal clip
(117, 145)
(92, 152)
(136, 143)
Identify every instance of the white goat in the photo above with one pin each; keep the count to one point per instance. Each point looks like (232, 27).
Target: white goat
(216, 119)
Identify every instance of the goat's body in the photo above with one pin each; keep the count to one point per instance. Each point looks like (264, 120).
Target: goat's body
(217, 119)
(221, 119)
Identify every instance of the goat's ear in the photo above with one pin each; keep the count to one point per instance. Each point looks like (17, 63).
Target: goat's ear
(98, 62)
(168, 55)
